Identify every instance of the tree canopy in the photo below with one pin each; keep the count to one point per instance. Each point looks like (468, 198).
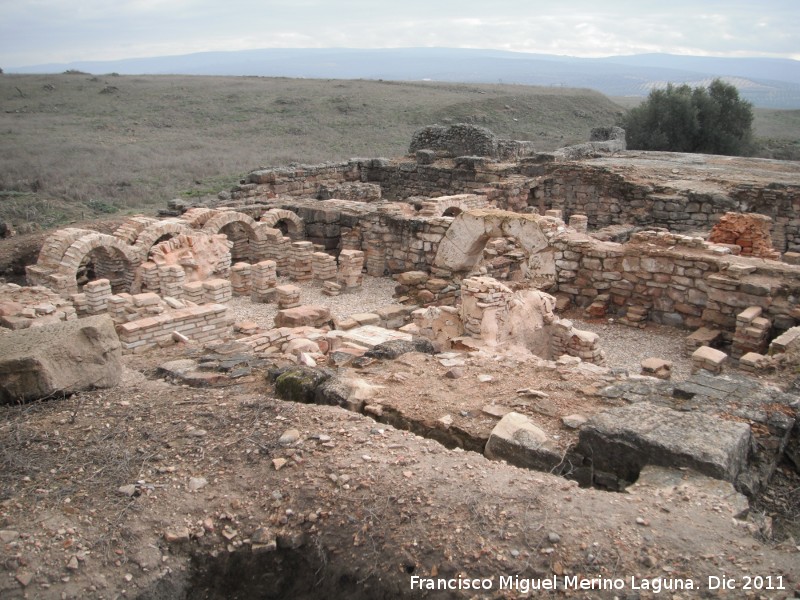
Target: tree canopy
(710, 120)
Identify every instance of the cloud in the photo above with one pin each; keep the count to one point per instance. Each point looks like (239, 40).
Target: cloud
(39, 31)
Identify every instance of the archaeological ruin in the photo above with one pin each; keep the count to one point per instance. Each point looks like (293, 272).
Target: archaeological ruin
(492, 247)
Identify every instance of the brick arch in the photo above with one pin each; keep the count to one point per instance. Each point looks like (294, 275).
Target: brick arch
(295, 225)
(198, 217)
(150, 235)
(220, 220)
(56, 245)
(109, 244)
(132, 227)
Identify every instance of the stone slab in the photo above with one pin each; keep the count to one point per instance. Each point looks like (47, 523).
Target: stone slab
(623, 440)
(371, 335)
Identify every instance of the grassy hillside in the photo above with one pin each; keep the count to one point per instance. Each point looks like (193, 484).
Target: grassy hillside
(75, 146)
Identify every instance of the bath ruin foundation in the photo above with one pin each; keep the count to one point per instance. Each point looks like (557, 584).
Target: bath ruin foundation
(487, 241)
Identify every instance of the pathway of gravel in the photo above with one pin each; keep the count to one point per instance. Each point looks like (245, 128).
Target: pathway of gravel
(627, 347)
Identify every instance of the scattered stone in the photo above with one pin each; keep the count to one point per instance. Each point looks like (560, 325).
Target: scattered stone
(177, 535)
(483, 378)
(573, 421)
(300, 316)
(61, 358)
(279, 463)
(25, 578)
(532, 393)
(298, 384)
(657, 367)
(394, 348)
(73, 564)
(289, 437)
(455, 373)
(553, 537)
(197, 483)
(8, 535)
(519, 442)
(129, 490)
(348, 392)
(263, 540)
(496, 410)
(179, 337)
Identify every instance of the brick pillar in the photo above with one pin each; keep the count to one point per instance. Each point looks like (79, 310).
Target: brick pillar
(97, 294)
(241, 278)
(265, 279)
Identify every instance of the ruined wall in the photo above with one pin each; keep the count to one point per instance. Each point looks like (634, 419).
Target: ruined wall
(607, 198)
(676, 280)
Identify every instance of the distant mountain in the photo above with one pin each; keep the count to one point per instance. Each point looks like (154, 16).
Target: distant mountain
(767, 82)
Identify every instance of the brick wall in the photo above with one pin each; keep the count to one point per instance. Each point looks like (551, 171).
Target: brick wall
(199, 323)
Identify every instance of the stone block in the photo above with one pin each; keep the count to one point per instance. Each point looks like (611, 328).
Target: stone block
(147, 299)
(709, 359)
(309, 315)
(657, 367)
(59, 358)
(623, 440)
(518, 441)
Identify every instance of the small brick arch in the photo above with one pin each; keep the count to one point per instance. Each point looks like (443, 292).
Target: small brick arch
(296, 227)
(132, 227)
(57, 243)
(150, 235)
(223, 218)
(111, 246)
(198, 217)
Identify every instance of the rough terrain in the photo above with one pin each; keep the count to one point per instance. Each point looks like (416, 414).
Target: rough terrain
(155, 490)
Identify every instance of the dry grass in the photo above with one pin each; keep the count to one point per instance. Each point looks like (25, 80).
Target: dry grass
(76, 146)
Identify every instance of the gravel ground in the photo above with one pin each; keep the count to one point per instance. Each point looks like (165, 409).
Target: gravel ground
(627, 347)
(375, 293)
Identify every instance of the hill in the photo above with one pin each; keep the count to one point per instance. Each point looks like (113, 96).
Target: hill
(767, 82)
(76, 146)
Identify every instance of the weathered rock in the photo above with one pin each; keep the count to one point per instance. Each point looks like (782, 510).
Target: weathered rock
(299, 383)
(347, 392)
(623, 440)
(573, 421)
(65, 357)
(516, 440)
(394, 348)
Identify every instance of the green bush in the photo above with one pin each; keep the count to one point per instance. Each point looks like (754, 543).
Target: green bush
(712, 120)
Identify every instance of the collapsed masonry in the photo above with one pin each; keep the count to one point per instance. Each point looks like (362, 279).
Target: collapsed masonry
(453, 219)
(484, 246)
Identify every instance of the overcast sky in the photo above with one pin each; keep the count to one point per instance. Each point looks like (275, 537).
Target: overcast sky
(44, 31)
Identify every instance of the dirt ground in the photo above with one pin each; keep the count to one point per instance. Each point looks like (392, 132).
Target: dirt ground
(153, 490)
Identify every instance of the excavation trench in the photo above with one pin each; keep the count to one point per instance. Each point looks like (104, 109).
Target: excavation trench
(322, 387)
(299, 573)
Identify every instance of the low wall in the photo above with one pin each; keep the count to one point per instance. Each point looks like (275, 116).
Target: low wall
(199, 323)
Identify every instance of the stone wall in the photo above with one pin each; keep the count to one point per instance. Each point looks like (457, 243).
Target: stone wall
(608, 198)
(676, 280)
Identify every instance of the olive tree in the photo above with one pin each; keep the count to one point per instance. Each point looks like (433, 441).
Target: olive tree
(712, 120)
